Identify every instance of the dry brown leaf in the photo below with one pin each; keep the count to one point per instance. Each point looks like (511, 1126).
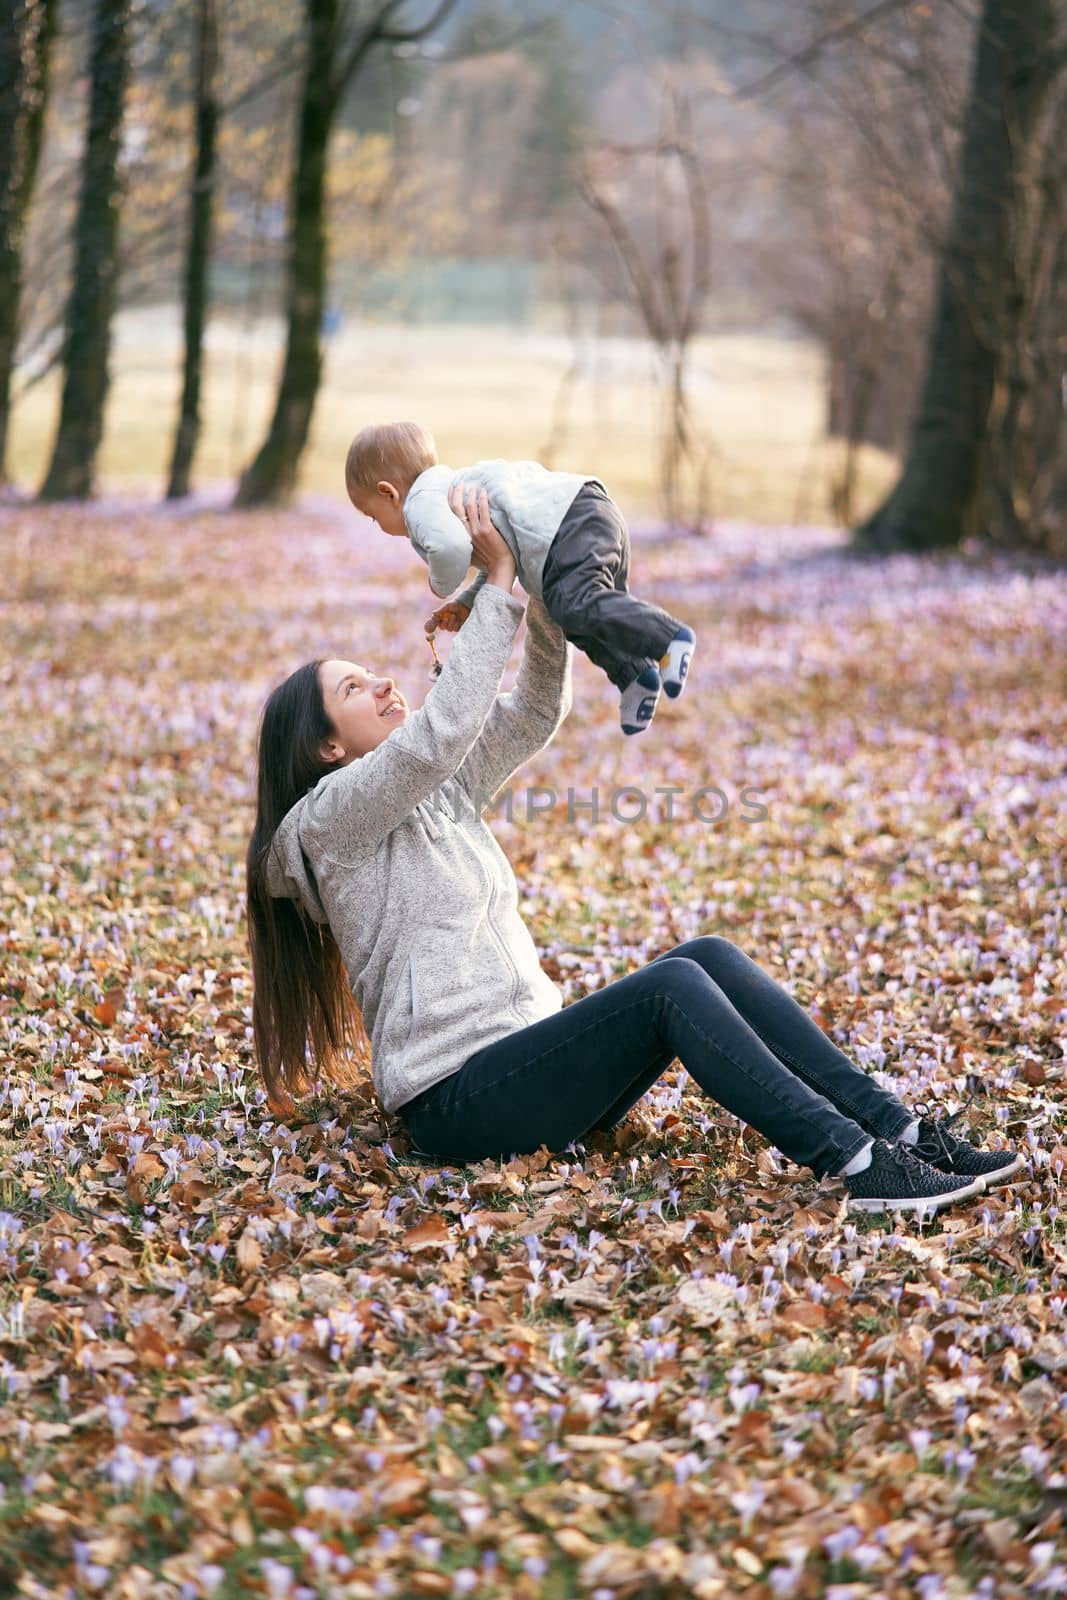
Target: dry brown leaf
(575, 1543)
(805, 1313)
(249, 1252)
(432, 1231)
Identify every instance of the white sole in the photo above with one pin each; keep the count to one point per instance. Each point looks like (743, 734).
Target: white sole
(926, 1203)
(999, 1174)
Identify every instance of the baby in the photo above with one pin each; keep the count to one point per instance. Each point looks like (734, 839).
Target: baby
(569, 540)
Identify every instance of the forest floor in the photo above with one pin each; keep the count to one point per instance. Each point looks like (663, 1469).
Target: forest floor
(247, 1350)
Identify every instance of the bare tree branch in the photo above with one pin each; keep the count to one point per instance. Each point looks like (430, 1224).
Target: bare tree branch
(528, 30)
(54, 360)
(410, 35)
(378, 31)
(700, 211)
(813, 50)
(628, 254)
(286, 69)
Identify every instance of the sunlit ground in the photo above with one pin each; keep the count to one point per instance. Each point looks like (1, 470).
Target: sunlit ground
(758, 405)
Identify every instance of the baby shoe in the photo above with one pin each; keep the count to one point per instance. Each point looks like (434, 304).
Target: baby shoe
(677, 661)
(639, 701)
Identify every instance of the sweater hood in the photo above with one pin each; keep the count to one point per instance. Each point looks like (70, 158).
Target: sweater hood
(289, 874)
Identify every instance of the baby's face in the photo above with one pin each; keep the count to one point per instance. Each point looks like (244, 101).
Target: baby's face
(384, 504)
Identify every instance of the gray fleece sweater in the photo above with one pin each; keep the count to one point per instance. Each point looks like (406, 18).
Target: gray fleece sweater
(393, 853)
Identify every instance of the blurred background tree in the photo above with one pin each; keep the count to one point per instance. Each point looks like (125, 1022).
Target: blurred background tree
(948, 490)
(340, 40)
(198, 246)
(27, 29)
(91, 297)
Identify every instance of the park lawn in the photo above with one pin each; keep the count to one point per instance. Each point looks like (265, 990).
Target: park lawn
(757, 401)
(256, 1351)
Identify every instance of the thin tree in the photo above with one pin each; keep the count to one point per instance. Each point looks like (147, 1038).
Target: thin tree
(87, 335)
(668, 283)
(981, 297)
(27, 29)
(198, 248)
(330, 69)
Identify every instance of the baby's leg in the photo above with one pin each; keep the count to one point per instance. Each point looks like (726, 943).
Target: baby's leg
(584, 591)
(640, 690)
(616, 665)
(675, 663)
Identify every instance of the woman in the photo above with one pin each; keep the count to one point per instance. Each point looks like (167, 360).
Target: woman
(370, 853)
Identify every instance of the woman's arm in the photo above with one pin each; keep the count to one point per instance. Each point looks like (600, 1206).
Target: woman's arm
(352, 809)
(524, 720)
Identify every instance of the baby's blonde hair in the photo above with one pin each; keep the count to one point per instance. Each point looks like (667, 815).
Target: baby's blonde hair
(392, 450)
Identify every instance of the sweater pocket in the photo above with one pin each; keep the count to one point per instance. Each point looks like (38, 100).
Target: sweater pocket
(396, 1016)
(442, 991)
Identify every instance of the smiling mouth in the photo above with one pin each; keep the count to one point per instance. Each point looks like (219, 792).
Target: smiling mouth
(393, 709)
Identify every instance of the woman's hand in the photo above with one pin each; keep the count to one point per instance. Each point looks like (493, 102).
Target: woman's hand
(491, 550)
(451, 617)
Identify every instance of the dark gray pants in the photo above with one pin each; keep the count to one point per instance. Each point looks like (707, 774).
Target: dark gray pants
(584, 590)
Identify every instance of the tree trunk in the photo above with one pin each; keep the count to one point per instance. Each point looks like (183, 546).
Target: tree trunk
(92, 295)
(198, 252)
(27, 28)
(980, 300)
(1026, 496)
(272, 474)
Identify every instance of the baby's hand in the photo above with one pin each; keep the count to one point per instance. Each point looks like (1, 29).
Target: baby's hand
(451, 616)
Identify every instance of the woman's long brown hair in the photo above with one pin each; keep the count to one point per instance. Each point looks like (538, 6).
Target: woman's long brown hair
(305, 1020)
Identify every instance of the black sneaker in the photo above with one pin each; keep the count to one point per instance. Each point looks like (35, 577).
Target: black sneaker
(897, 1180)
(943, 1150)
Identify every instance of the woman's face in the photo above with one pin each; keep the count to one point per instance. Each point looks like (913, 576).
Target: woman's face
(363, 708)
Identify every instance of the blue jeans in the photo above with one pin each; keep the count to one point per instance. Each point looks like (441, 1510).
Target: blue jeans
(748, 1044)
